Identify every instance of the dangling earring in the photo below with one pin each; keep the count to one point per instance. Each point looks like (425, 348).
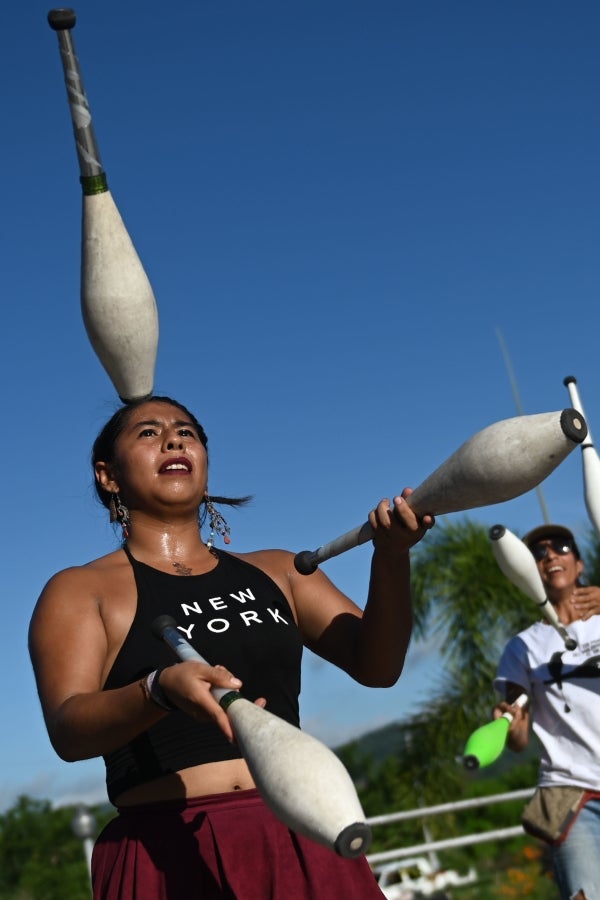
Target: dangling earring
(119, 513)
(216, 523)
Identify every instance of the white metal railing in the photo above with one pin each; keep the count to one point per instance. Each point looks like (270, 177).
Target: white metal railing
(497, 834)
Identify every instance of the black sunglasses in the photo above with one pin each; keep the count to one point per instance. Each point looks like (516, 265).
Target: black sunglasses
(562, 546)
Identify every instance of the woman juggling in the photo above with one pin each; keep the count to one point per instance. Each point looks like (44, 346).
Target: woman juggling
(190, 821)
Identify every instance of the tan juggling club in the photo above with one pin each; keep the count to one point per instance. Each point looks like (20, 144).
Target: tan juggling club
(590, 462)
(516, 561)
(301, 781)
(500, 462)
(117, 301)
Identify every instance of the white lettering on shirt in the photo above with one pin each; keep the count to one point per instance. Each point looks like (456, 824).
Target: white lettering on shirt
(217, 625)
(277, 615)
(243, 596)
(194, 608)
(217, 603)
(187, 631)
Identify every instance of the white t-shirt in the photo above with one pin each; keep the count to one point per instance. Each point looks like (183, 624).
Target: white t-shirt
(565, 697)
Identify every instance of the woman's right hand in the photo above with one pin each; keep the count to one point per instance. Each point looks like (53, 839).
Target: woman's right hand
(188, 686)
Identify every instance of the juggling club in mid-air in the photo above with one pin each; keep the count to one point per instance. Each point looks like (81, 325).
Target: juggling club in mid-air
(117, 301)
(488, 741)
(590, 462)
(500, 462)
(301, 780)
(516, 561)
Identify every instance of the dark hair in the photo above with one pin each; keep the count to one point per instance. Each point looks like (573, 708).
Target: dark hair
(549, 531)
(104, 445)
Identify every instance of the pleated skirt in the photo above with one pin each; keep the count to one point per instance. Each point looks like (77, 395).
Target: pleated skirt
(219, 846)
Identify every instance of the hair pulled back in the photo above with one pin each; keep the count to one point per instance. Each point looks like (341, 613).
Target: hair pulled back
(104, 446)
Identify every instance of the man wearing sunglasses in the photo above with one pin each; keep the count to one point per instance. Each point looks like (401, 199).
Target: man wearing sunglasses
(563, 687)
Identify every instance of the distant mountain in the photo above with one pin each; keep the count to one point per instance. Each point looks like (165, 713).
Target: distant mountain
(387, 741)
(378, 744)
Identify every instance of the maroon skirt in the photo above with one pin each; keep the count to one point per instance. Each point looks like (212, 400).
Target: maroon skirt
(220, 846)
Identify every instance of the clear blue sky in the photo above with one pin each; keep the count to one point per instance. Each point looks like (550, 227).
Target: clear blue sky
(338, 204)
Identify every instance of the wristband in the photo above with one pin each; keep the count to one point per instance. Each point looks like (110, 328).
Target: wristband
(152, 690)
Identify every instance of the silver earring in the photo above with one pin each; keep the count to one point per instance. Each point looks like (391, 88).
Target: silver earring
(216, 523)
(119, 513)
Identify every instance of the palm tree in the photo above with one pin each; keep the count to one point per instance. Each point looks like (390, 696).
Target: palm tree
(462, 599)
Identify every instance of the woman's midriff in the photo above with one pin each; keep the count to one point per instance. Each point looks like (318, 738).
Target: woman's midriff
(198, 781)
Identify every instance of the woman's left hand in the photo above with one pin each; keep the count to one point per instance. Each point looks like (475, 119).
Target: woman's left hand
(397, 528)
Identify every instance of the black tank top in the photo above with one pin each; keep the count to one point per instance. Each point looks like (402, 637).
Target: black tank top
(235, 616)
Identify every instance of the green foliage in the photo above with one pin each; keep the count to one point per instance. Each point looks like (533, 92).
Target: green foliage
(461, 596)
(590, 551)
(40, 857)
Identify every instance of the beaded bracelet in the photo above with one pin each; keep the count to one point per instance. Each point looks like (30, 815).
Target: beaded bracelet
(152, 690)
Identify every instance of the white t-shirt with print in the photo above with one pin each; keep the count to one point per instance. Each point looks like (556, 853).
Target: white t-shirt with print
(565, 698)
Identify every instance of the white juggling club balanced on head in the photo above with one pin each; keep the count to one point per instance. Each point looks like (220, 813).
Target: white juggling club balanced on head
(500, 462)
(301, 781)
(117, 301)
(516, 561)
(590, 462)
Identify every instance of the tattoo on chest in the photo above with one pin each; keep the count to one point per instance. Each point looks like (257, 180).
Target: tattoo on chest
(181, 569)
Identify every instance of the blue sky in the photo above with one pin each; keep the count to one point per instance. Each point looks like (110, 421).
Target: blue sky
(339, 204)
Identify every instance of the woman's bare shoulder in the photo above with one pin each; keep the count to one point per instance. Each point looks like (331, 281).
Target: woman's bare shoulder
(86, 579)
(278, 564)
(264, 558)
(101, 565)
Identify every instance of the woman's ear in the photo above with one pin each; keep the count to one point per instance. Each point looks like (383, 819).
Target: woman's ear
(105, 477)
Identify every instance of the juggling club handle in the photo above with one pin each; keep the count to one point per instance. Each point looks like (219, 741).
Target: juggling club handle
(590, 461)
(570, 382)
(165, 629)
(521, 701)
(307, 561)
(92, 175)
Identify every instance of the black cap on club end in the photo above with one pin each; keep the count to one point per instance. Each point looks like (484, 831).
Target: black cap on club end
(470, 762)
(569, 379)
(353, 840)
(62, 19)
(573, 425)
(304, 562)
(160, 625)
(496, 532)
